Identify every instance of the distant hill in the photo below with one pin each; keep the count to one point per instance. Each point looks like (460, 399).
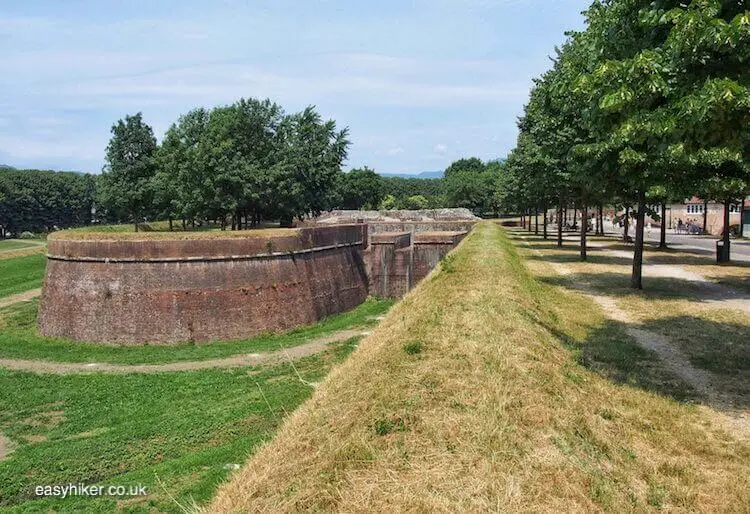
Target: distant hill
(6, 167)
(424, 174)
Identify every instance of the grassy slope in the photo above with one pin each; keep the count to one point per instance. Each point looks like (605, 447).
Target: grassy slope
(21, 274)
(20, 339)
(175, 433)
(480, 391)
(14, 244)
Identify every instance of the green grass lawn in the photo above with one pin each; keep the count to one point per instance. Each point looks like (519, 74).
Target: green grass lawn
(21, 274)
(14, 244)
(20, 339)
(178, 434)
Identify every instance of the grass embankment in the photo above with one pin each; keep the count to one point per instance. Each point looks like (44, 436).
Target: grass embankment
(20, 339)
(485, 389)
(20, 274)
(178, 434)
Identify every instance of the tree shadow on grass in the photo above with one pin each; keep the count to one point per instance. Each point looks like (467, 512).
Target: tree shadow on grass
(594, 257)
(610, 352)
(721, 348)
(618, 284)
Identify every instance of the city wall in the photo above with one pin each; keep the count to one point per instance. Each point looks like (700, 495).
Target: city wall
(135, 291)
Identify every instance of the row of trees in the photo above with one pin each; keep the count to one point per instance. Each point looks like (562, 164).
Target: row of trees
(243, 162)
(36, 200)
(362, 188)
(234, 165)
(649, 104)
(250, 161)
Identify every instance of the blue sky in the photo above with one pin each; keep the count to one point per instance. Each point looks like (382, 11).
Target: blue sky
(419, 83)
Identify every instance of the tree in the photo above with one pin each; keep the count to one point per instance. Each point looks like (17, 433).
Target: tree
(416, 202)
(468, 184)
(360, 188)
(129, 167)
(40, 201)
(388, 203)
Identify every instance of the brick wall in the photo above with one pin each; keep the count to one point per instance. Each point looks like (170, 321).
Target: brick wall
(199, 290)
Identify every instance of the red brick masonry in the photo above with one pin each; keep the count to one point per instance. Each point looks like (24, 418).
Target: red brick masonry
(169, 291)
(199, 290)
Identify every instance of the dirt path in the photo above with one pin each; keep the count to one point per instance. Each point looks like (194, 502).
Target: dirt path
(713, 295)
(21, 297)
(236, 361)
(738, 422)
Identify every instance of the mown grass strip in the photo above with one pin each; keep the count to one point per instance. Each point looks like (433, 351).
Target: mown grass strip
(15, 244)
(20, 339)
(20, 274)
(178, 434)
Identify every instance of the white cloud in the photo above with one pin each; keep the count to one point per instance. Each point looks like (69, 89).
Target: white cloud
(440, 149)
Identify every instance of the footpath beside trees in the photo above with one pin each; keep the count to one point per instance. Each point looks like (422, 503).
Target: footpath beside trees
(651, 101)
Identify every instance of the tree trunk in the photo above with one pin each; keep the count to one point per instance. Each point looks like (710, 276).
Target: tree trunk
(725, 236)
(705, 216)
(544, 225)
(636, 279)
(536, 221)
(626, 224)
(742, 213)
(566, 215)
(663, 235)
(597, 231)
(184, 224)
(559, 223)
(584, 226)
(601, 219)
(136, 226)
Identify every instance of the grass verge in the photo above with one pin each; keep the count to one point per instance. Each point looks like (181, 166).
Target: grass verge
(178, 434)
(20, 339)
(15, 244)
(20, 274)
(497, 410)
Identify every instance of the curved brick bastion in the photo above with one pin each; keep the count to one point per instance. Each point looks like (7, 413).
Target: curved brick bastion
(141, 289)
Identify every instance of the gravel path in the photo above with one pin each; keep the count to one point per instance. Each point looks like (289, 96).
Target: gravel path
(237, 361)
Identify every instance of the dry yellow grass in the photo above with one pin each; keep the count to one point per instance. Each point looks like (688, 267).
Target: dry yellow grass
(465, 398)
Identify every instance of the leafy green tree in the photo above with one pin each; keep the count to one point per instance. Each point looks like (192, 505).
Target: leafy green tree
(41, 201)
(468, 184)
(360, 188)
(416, 202)
(388, 203)
(401, 188)
(125, 189)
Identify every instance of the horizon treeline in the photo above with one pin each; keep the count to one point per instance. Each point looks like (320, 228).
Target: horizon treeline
(235, 166)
